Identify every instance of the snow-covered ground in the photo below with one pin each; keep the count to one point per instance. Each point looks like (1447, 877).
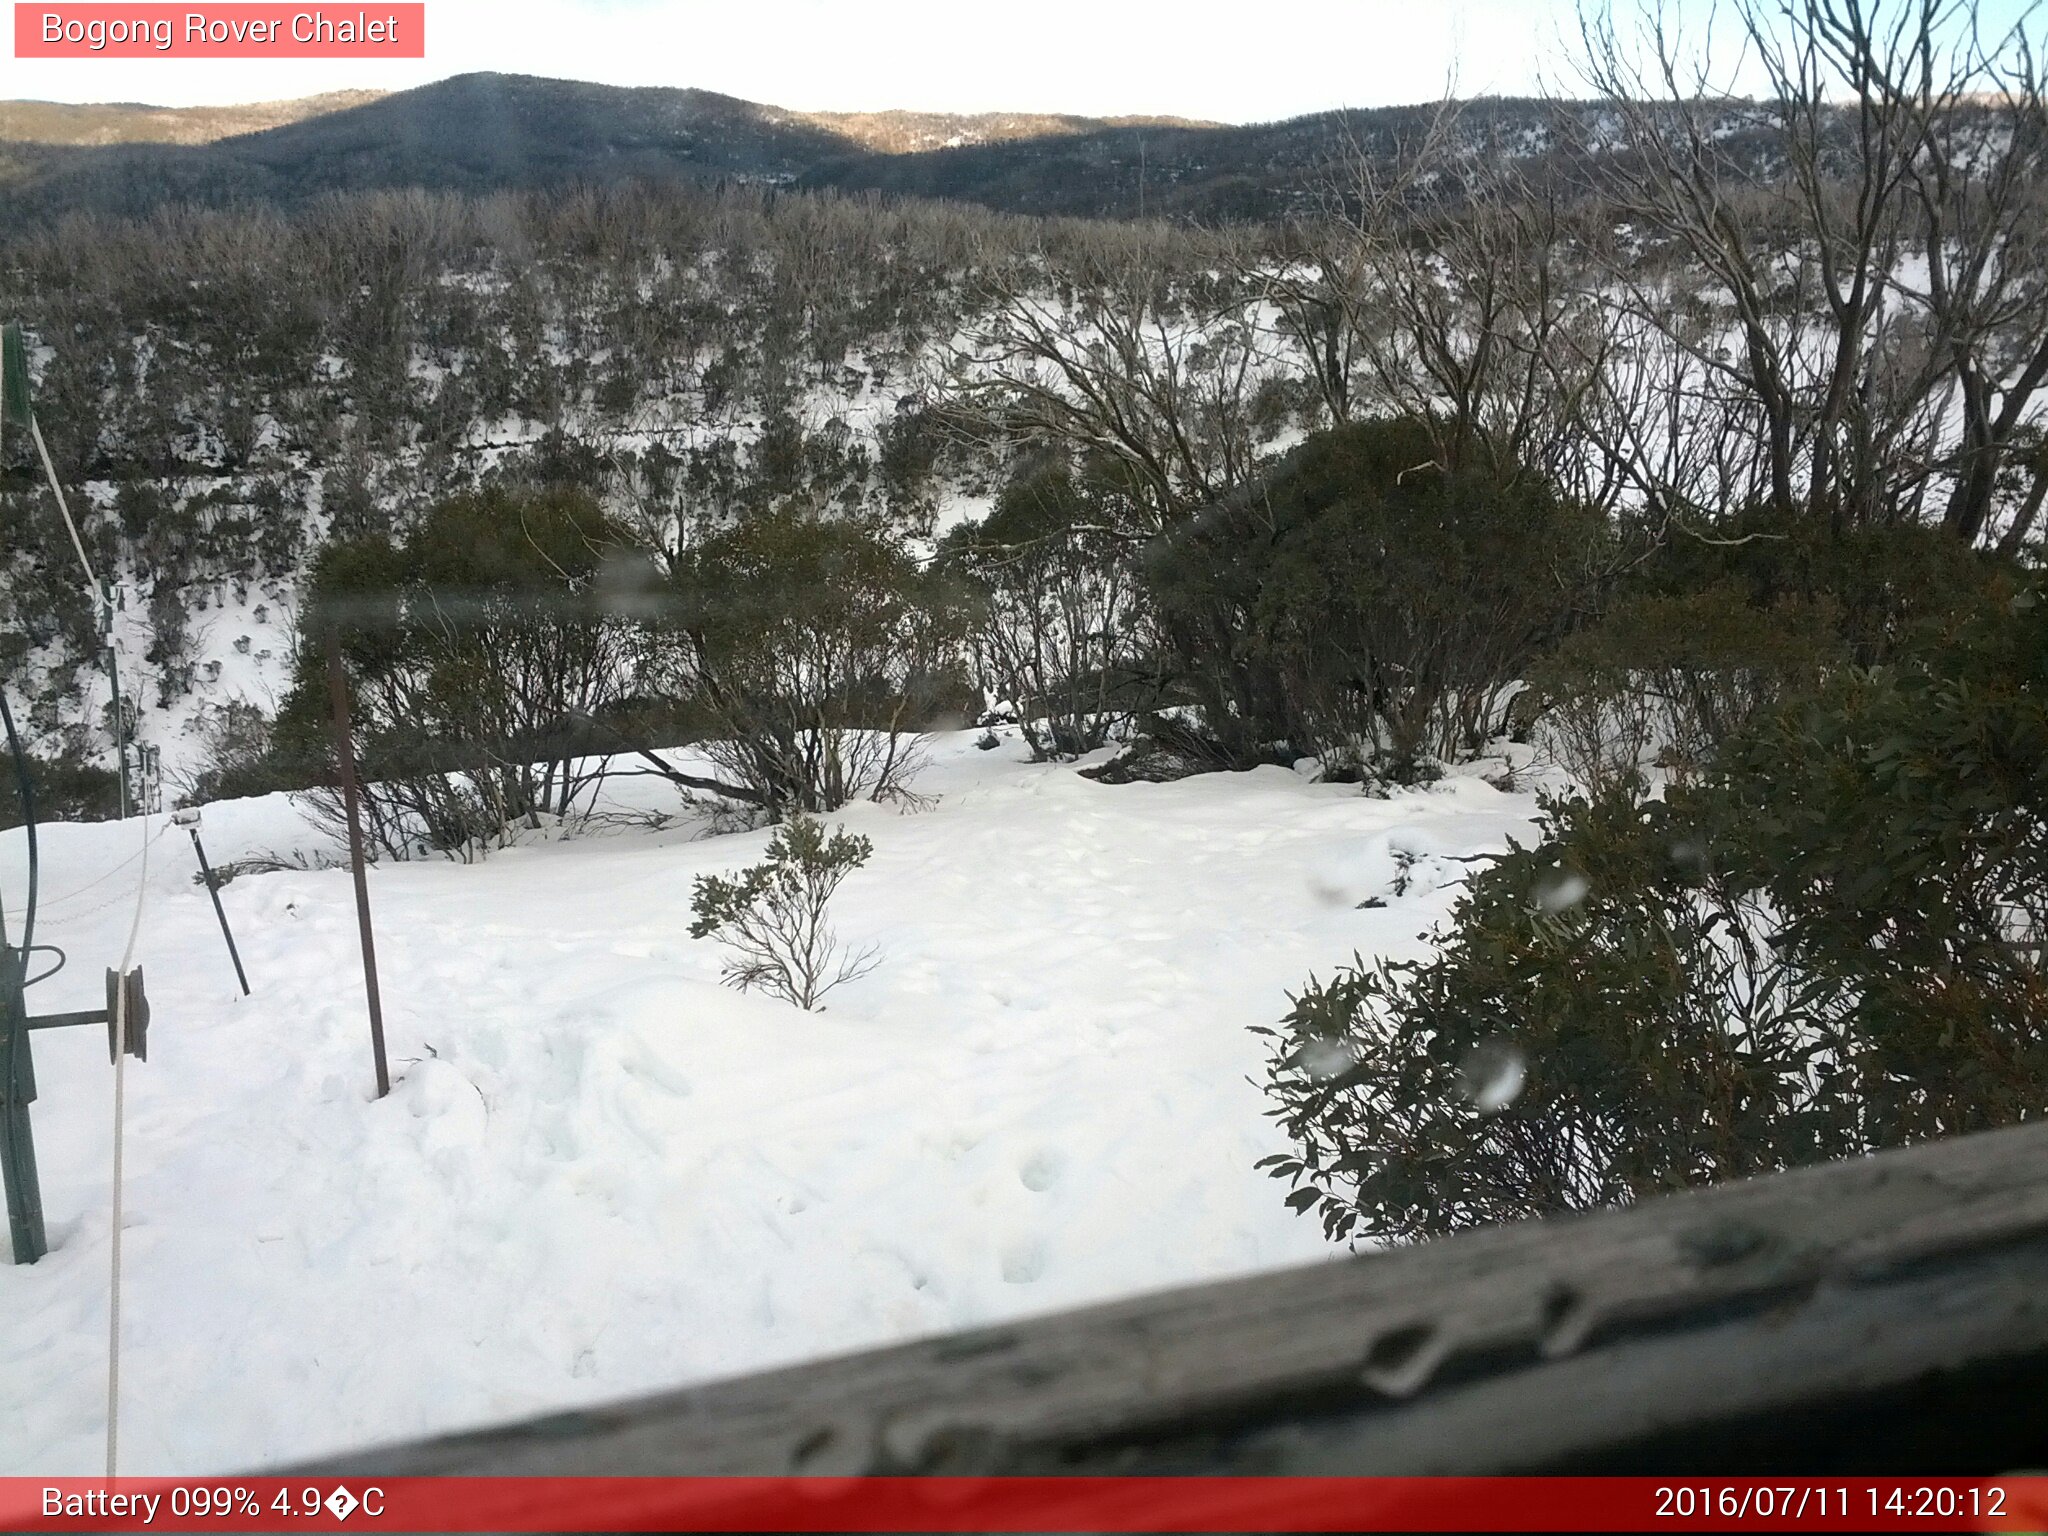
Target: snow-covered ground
(599, 1172)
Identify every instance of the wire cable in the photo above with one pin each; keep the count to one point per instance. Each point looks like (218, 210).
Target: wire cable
(46, 909)
(120, 1086)
(102, 596)
(44, 949)
(120, 1010)
(50, 470)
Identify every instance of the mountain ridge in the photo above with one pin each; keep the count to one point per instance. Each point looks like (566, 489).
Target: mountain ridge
(486, 132)
(895, 130)
(66, 124)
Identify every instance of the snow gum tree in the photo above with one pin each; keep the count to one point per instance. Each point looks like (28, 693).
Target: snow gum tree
(819, 650)
(476, 659)
(1362, 603)
(1060, 628)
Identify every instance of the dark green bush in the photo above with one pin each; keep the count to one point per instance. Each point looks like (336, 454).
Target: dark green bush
(478, 656)
(65, 788)
(1898, 821)
(819, 650)
(1675, 675)
(1658, 1038)
(1834, 942)
(1702, 635)
(1364, 605)
(1879, 584)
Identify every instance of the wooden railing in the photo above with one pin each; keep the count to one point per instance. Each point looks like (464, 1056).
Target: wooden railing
(1885, 1315)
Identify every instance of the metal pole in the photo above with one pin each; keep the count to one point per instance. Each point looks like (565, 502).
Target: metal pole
(344, 752)
(17, 1066)
(213, 890)
(120, 726)
(17, 1092)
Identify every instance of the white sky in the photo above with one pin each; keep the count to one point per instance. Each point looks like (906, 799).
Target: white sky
(1232, 60)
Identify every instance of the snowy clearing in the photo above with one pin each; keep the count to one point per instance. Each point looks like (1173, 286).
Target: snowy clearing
(600, 1173)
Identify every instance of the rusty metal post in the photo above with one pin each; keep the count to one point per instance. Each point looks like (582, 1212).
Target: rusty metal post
(345, 755)
(213, 890)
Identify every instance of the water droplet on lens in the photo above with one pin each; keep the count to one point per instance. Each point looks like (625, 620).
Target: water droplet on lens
(1492, 1075)
(1562, 891)
(1323, 1059)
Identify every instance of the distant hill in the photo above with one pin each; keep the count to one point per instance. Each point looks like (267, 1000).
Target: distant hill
(471, 133)
(903, 133)
(127, 122)
(1122, 170)
(1203, 172)
(485, 132)
(89, 124)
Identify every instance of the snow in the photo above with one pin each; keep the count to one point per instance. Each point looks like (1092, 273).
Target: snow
(599, 1173)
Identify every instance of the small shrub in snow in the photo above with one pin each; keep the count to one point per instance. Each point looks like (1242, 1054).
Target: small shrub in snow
(773, 915)
(234, 739)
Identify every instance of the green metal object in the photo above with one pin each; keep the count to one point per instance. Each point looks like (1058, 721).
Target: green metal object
(17, 1092)
(17, 1065)
(14, 406)
(17, 1068)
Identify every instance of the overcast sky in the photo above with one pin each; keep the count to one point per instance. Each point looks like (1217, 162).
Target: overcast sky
(1231, 60)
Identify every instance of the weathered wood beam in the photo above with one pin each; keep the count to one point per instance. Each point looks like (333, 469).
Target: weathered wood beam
(1886, 1314)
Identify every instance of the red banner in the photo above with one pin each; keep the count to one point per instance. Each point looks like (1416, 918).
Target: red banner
(1052, 1504)
(381, 29)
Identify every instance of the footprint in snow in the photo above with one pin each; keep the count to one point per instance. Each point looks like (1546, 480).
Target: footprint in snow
(1023, 1262)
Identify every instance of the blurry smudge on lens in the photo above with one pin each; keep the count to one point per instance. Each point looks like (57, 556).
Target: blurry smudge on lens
(1492, 1074)
(1562, 891)
(1324, 1059)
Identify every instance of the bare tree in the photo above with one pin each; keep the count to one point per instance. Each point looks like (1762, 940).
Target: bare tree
(1863, 245)
(1121, 361)
(1465, 299)
(1311, 285)
(1060, 629)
